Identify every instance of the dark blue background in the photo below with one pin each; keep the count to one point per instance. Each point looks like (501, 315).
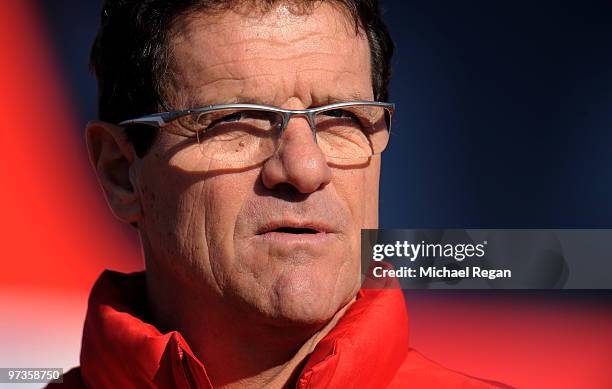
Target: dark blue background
(504, 110)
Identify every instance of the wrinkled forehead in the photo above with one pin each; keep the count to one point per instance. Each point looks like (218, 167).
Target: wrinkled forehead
(315, 54)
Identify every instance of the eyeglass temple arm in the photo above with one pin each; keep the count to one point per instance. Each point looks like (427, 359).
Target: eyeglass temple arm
(156, 120)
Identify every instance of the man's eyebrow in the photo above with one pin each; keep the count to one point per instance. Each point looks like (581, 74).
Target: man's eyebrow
(353, 96)
(251, 100)
(331, 99)
(239, 100)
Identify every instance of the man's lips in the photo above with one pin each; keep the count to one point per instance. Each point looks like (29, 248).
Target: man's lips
(295, 234)
(294, 228)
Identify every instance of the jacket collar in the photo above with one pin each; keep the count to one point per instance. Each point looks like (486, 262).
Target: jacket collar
(120, 348)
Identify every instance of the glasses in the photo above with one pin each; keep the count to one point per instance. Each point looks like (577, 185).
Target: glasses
(252, 133)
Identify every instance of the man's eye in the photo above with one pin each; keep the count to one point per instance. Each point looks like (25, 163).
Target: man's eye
(208, 122)
(339, 113)
(234, 117)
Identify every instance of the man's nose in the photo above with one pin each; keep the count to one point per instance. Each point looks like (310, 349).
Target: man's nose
(298, 160)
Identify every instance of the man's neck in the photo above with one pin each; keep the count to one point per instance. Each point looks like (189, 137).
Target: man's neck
(237, 351)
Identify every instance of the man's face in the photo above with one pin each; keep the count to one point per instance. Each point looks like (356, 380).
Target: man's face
(233, 232)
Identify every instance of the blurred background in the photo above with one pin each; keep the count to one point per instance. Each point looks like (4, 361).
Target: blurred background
(503, 121)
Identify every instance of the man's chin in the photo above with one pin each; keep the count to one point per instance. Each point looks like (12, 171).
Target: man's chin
(311, 308)
(297, 295)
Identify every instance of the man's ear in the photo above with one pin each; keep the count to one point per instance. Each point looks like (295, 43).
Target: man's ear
(112, 156)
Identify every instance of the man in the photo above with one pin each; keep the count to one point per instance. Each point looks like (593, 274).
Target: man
(249, 191)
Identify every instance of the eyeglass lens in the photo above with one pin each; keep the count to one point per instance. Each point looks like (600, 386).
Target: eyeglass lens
(235, 135)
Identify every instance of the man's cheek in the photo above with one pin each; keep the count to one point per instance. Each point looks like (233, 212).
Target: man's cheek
(371, 185)
(219, 205)
(350, 186)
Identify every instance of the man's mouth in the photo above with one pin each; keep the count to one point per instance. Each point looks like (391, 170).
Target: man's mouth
(293, 227)
(295, 230)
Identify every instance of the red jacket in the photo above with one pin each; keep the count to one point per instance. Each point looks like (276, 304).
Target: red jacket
(368, 348)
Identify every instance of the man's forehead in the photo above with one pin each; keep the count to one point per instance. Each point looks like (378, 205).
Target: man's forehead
(233, 57)
(267, 21)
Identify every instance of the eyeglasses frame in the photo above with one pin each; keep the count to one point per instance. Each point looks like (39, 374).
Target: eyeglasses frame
(163, 119)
